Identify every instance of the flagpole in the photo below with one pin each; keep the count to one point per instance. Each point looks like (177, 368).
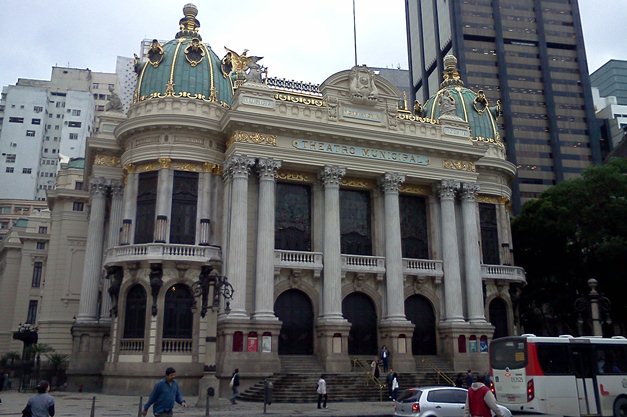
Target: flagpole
(355, 32)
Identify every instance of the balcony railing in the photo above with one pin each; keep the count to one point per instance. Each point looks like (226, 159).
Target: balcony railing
(159, 252)
(176, 345)
(363, 264)
(297, 260)
(503, 272)
(132, 345)
(422, 267)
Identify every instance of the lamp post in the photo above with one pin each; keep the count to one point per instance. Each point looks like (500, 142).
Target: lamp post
(27, 333)
(209, 278)
(597, 306)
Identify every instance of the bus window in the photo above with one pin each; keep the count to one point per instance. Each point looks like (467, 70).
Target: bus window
(553, 358)
(508, 354)
(583, 360)
(611, 359)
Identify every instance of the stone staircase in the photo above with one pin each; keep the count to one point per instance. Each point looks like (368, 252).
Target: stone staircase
(297, 381)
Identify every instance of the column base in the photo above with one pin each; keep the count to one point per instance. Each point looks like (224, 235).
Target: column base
(466, 353)
(397, 336)
(89, 354)
(332, 345)
(258, 357)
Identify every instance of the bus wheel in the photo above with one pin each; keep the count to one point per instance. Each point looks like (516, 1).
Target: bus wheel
(620, 407)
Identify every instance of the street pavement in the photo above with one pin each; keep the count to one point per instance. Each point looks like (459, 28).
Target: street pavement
(74, 404)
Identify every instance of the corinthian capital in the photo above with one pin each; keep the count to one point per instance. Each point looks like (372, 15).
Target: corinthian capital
(117, 188)
(447, 189)
(469, 191)
(267, 168)
(391, 181)
(238, 166)
(332, 175)
(98, 187)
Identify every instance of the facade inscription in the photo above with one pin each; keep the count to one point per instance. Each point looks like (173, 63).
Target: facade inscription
(360, 152)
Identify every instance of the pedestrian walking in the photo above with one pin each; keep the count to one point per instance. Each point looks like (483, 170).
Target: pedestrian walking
(469, 378)
(385, 358)
(234, 384)
(40, 404)
(480, 401)
(321, 389)
(394, 386)
(163, 395)
(389, 378)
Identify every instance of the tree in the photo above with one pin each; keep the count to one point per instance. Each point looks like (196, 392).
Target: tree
(574, 231)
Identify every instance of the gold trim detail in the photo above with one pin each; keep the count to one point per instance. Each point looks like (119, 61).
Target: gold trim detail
(130, 168)
(496, 141)
(194, 48)
(358, 183)
(107, 160)
(252, 137)
(303, 99)
(492, 199)
(459, 165)
(414, 118)
(165, 163)
(295, 176)
(415, 189)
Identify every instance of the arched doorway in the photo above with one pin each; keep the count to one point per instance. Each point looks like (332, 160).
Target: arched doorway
(178, 319)
(419, 311)
(135, 313)
(294, 309)
(360, 311)
(498, 317)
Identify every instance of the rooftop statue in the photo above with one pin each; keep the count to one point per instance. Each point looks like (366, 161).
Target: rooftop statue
(244, 67)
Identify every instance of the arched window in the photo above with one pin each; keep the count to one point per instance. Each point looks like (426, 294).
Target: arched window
(135, 313)
(177, 316)
(461, 344)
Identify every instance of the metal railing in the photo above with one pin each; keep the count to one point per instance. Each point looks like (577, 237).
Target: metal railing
(438, 372)
(367, 371)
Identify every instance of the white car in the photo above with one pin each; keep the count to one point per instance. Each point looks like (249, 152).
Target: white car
(434, 402)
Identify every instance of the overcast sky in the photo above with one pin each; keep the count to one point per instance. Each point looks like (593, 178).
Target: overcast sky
(301, 40)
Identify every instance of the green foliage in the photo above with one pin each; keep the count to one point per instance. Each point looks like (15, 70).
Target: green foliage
(39, 348)
(57, 361)
(576, 230)
(8, 358)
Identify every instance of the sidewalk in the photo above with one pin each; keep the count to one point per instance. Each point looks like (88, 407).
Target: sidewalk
(73, 404)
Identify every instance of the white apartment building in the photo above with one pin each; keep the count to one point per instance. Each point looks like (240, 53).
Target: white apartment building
(43, 122)
(612, 115)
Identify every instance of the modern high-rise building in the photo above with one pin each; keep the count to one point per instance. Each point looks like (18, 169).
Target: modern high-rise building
(611, 80)
(47, 121)
(530, 55)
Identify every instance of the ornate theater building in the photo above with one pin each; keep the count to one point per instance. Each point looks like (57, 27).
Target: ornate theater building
(237, 219)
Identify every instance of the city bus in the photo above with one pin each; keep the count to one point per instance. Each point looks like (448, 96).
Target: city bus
(565, 375)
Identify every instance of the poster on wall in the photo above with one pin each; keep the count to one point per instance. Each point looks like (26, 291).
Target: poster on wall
(472, 345)
(483, 345)
(266, 343)
(253, 344)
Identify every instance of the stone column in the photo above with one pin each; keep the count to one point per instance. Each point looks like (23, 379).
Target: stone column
(164, 200)
(264, 271)
(113, 235)
(204, 215)
(391, 184)
(331, 176)
(472, 256)
(88, 306)
(450, 253)
(238, 168)
(130, 206)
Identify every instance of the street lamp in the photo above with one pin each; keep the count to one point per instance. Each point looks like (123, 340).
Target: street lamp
(598, 307)
(207, 279)
(27, 333)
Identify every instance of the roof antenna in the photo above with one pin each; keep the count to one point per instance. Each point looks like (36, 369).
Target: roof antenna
(355, 32)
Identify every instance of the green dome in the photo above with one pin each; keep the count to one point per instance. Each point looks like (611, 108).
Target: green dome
(455, 101)
(184, 67)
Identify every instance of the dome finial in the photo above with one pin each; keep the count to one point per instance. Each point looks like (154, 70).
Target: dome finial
(189, 24)
(451, 73)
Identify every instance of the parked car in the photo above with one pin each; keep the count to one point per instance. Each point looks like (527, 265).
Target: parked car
(434, 402)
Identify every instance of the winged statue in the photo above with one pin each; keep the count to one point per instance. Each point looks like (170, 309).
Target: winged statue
(239, 63)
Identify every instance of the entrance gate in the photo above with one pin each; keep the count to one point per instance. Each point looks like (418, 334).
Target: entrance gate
(359, 310)
(294, 309)
(419, 311)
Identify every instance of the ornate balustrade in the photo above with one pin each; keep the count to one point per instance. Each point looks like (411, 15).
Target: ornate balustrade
(132, 345)
(176, 345)
(503, 272)
(159, 252)
(297, 260)
(422, 267)
(363, 264)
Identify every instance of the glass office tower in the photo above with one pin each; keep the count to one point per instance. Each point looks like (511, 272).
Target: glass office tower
(530, 55)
